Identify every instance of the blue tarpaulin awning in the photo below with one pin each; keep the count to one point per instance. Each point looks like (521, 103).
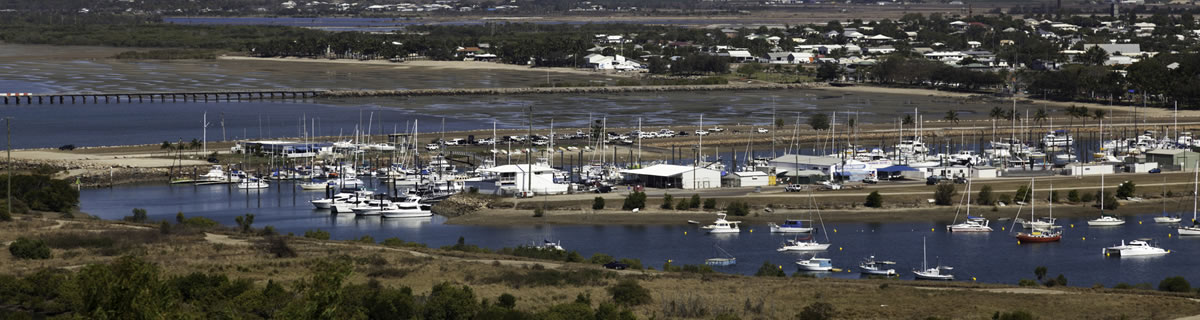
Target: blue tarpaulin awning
(897, 168)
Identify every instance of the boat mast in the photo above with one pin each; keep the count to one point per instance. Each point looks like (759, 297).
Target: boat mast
(1102, 195)
(1195, 187)
(924, 256)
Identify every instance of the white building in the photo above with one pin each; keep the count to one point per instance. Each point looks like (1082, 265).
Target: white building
(793, 162)
(515, 179)
(1088, 169)
(748, 179)
(674, 176)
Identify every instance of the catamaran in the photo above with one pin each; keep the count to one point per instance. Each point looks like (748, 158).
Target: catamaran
(1139, 247)
(972, 224)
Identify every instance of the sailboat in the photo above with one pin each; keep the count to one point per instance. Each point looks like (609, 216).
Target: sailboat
(927, 273)
(1194, 229)
(1051, 233)
(1105, 220)
(809, 243)
(1166, 218)
(973, 224)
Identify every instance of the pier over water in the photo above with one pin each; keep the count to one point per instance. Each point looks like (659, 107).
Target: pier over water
(289, 94)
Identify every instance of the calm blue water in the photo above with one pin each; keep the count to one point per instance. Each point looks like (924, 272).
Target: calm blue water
(993, 257)
(53, 125)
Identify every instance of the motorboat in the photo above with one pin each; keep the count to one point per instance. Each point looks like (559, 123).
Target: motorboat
(872, 267)
(973, 224)
(344, 205)
(814, 264)
(327, 203)
(927, 273)
(791, 226)
(1058, 138)
(253, 184)
(373, 207)
(802, 245)
(723, 226)
(1140, 247)
(411, 207)
(1105, 221)
(314, 186)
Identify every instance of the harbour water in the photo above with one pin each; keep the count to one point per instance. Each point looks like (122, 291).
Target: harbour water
(993, 257)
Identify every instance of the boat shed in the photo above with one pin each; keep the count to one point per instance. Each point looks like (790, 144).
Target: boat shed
(1088, 169)
(899, 172)
(674, 176)
(1173, 159)
(747, 179)
(796, 162)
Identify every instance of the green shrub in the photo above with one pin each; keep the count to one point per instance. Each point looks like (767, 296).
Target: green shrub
(769, 269)
(985, 196)
(199, 222)
(816, 311)
(629, 293)
(1027, 283)
(600, 258)
(598, 203)
(710, 203)
(944, 194)
(682, 205)
(25, 248)
(244, 222)
(635, 264)
(874, 200)
(268, 231)
(448, 301)
(396, 242)
(1110, 201)
(1015, 315)
(278, 247)
(737, 208)
(695, 203)
(42, 193)
(538, 212)
(1073, 196)
(634, 200)
(506, 301)
(1174, 284)
(1087, 197)
(1126, 189)
(667, 205)
(317, 234)
(366, 239)
(139, 216)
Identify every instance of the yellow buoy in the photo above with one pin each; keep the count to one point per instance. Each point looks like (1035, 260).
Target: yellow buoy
(1106, 254)
(1084, 238)
(973, 279)
(751, 230)
(1001, 228)
(1168, 235)
(685, 233)
(1018, 241)
(669, 260)
(780, 267)
(834, 230)
(1139, 222)
(839, 248)
(1072, 225)
(931, 230)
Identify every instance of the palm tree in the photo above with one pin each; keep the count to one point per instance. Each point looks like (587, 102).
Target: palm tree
(908, 119)
(951, 116)
(1072, 112)
(1099, 114)
(996, 113)
(1040, 116)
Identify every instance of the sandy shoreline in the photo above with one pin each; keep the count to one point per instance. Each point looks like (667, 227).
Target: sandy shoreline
(431, 64)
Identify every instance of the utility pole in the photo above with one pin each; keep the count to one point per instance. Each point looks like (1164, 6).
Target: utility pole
(528, 152)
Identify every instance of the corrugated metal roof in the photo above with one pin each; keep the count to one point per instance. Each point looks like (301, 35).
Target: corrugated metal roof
(795, 158)
(661, 170)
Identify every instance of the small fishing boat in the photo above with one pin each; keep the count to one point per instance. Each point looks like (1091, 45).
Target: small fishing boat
(792, 226)
(723, 226)
(814, 264)
(927, 273)
(873, 267)
(1140, 247)
(725, 259)
(551, 245)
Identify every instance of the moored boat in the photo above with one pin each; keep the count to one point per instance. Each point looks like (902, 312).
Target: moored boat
(1140, 247)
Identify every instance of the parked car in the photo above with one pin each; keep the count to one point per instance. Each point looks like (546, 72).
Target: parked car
(603, 189)
(870, 180)
(616, 266)
(960, 180)
(795, 188)
(763, 130)
(432, 146)
(1156, 170)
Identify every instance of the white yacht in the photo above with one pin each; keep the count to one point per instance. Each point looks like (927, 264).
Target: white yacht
(216, 175)
(373, 207)
(927, 273)
(723, 226)
(873, 267)
(551, 245)
(1167, 219)
(1105, 221)
(1134, 248)
(814, 264)
(327, 203)
(802, 245)
(973, 224)
(411, 207)
(791, 226)
(314, 185)
(1058, 138)
(253, 184)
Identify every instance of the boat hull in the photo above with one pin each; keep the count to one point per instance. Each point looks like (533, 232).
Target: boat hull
(1105, 223)
(322, 204)
(1167, 220)
(777, 229)
(927, 276)
(1132, 253)
(969, 229)
(405, 214)
(723, 230)
(888, 272)
(1025, 238)
(816, 247)
(1189, 231)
